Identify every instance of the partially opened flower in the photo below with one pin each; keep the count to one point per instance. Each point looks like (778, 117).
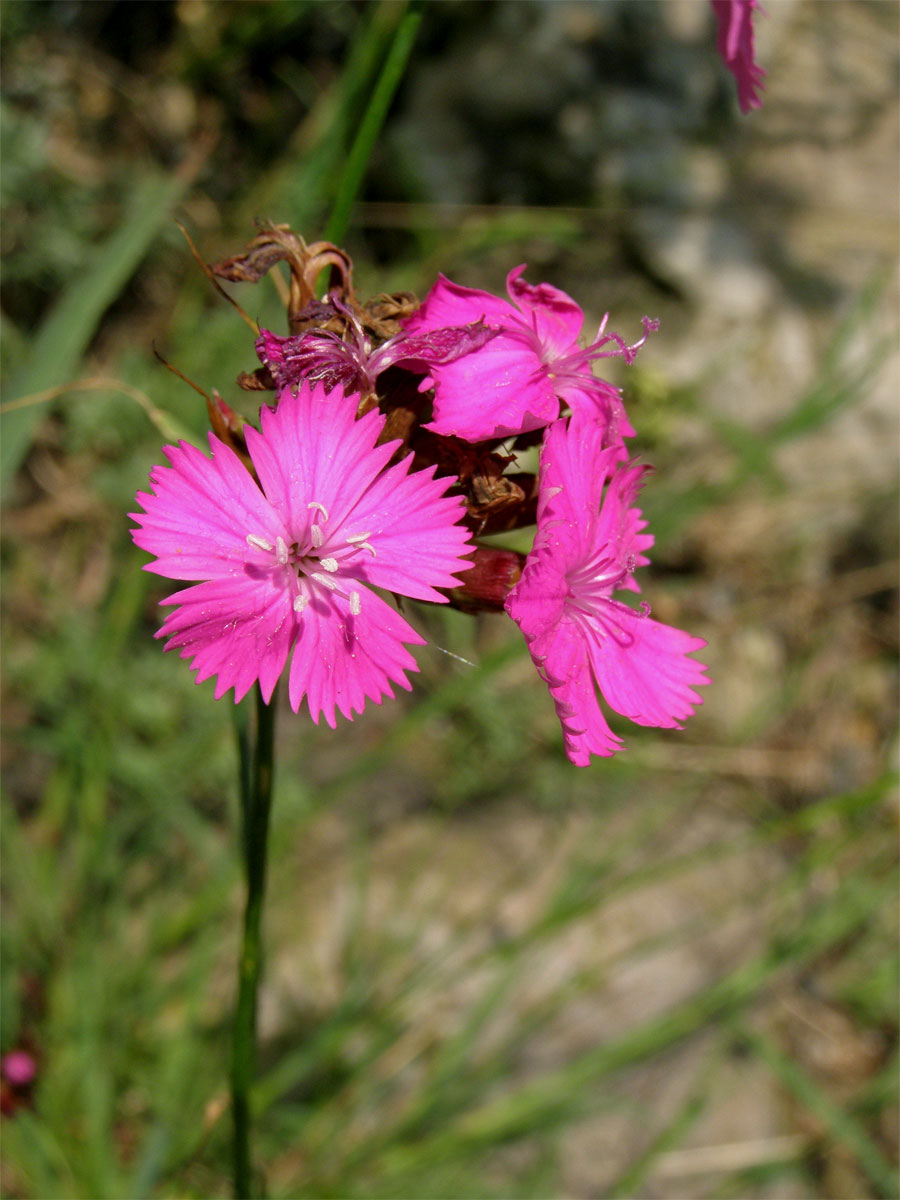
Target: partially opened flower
(288, 563)
(581, 638)
(518, 381)
(735, 42)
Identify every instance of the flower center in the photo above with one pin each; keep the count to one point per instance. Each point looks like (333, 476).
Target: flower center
(316, 562)
(590, 595)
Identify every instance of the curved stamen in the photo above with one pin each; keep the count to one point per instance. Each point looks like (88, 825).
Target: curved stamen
(357, 541)
(321, 507)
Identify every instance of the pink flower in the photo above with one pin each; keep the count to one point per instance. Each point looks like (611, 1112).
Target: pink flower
(736, 46)
(517, 381)
(287, 565)
(588, 543)
(352, 362)
(18, 1068)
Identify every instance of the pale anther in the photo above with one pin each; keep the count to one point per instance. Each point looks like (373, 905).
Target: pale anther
(355, 604)
(281, 551)
(321, 507)
(325, 580)
(258, 542)
(358, 541)
(328, 564)
(317, 535)
(300, 602)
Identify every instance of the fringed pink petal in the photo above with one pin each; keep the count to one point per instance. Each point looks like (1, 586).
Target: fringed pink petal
(414, 532)
(736, 44)
(199, 512)
(561, 659)
(311, 448)
(644, 669)
(340, 659)
(555, 317)
(239, 629)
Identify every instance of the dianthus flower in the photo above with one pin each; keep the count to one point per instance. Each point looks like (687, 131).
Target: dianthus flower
(351, 361)
(287, 564)
(517, 381)
(735, 44)
(589, 541)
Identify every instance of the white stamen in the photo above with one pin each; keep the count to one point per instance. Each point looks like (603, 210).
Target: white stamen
(355, 604)
(358, 541)
(300, 602)
(281, 551)
(317, 534)
(258, 542)
(321, 507)
(328, 564)
(325, 580)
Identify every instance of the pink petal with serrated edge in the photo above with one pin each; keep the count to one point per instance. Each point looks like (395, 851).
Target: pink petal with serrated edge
(199, 512)
(340, 660)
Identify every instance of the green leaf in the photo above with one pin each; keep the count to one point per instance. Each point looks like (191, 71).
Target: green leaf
(60, 343)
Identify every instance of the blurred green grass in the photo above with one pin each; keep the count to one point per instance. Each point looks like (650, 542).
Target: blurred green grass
(437, 1052)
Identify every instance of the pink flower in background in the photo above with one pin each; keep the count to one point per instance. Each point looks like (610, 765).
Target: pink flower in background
(518, 380)
(736, 46)
(588, 543)
(18, 1068)
(287, 565)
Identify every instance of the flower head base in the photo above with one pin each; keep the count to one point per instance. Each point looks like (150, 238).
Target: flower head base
(519, 380)
(735, 43)
(589, 541)
(286, 566)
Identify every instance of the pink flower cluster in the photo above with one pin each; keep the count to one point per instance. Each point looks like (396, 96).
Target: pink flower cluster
(589, 536)
(370, 472)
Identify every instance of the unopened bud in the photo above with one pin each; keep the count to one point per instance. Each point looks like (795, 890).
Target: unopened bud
(485, 587)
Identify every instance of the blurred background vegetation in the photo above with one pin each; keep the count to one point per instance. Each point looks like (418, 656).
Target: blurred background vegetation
(489, 973)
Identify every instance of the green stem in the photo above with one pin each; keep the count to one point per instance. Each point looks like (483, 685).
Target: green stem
(256, 802)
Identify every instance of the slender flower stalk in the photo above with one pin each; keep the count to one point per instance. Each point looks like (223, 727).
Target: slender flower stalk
(256, 803)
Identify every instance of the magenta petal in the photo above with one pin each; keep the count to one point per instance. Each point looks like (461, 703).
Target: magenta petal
(341, 659)
(240, 629)
(562, 663)
(416, 352)
(736, 45)
(311, 449)
(413, 556)
(199, 513)
(556, 317)
(644, 670)
(451, 303)
(501, 390)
